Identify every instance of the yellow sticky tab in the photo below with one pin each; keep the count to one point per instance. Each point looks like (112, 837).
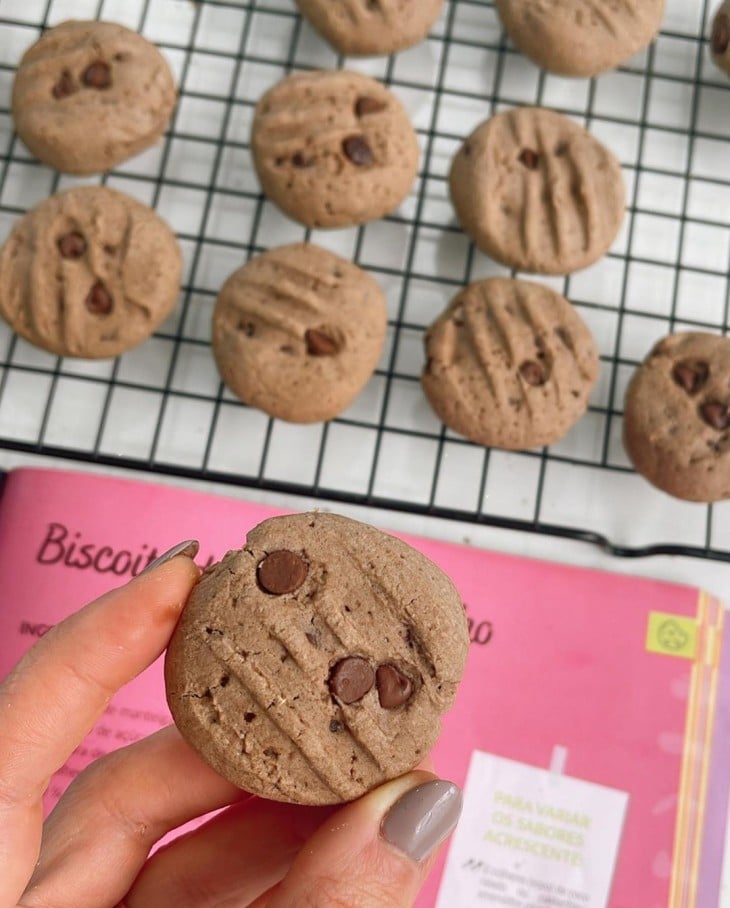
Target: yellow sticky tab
(672, 635)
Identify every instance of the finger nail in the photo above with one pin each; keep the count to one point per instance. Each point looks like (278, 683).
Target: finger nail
(422, 818)
(189, 547)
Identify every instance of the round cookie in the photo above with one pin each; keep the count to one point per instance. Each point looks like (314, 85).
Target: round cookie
(315, 662)
(89, 272)
(677, 417)
(333, 148)
(355, 28)
(298, 332)
(510, 364)
(720, 38)
(537, 192)
(577, 37)
(88, 95)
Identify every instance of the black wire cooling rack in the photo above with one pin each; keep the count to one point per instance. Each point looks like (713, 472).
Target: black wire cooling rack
(161, 407)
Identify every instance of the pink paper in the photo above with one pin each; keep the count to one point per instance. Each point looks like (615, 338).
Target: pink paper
(558, 658)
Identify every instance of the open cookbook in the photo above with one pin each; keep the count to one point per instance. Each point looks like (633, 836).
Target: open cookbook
(591, 732)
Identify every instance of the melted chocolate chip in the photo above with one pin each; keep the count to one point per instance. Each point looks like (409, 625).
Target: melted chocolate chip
(394, 688)
(281, 572)
(336, 726)
(298, 160)
(720, 34)
(366, 105)
(72, 245)
(65, 85)
(533, 373)
(99, 300)
(529, 158)
(716, 414)
(351, 679)
(357, 150)
(97, 75)
(691, 375)
(321, 344)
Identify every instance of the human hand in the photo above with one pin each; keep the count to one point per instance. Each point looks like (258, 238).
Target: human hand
(93, 851)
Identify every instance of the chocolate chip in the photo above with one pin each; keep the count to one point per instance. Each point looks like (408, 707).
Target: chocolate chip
(357, 150)
(65, 85)
(529, 158)
(351, 679)
(365, 105)
(691, 375)
(321, 344)
(249, 717)
(720, 34)
(281, 572)
(336, 726)
(72, 245)
(97, 75)
(716, 414)
(533, 373)
(99, 301)
(394, 688)
(298, 160)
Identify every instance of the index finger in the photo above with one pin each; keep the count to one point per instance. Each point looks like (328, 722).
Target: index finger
(50, 701)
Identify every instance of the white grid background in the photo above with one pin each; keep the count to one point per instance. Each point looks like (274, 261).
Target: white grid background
(161, 406)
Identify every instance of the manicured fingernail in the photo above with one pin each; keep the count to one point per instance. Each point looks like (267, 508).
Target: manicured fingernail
(422, 818)
(189, 547)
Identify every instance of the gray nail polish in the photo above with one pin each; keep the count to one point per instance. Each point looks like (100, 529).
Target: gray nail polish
(189, 547)
(422, 818)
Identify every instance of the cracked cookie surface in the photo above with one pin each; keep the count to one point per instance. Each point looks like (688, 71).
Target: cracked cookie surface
(89, 272)
(510, 364)
(315, 662)
(677, 416)
(298, 332)
(333, 148)
(88, 95)
(536, 191)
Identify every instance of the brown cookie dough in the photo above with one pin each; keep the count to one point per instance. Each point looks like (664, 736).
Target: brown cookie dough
(510, 364)
(677, 417)
(537, 192)
(88, 95)
(298, 331)
(581, 37)
(315, 662)
(361, 27)
(720, 38)
(333, 148)
(89, 272)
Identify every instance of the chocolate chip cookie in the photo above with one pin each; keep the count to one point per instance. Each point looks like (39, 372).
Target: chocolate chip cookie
(89, 272)
(315, 662)
(88, 95)
(298, 331)
(510, 364)
(720, 38)
(677, 417)
(361, 27)
(580, 37)
(537, 192)
(333, 148)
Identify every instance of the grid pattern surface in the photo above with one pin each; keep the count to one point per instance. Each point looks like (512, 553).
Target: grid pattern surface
(161, 407)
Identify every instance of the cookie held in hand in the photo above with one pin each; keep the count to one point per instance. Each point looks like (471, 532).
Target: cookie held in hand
(314, 663)
(677, 417)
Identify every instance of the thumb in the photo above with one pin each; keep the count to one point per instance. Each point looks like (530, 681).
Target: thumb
(375, 852)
